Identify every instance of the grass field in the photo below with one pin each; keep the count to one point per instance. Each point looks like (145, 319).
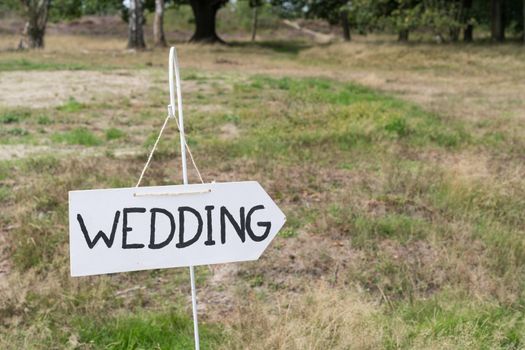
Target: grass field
(400, 169)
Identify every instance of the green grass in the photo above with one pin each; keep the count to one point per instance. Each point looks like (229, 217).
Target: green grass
(44, 120)
(447, 319)
(37, 242)
(114, 134)
(77, 136)
(324, 114)
(27, 65)
(71, 106)
(147, 330)
(14, 133)
(288, 233)
(17, 132)
(393, 226)
(14, 116)
(5, 193)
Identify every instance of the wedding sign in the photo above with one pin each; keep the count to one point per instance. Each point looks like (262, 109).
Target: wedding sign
(140, 228)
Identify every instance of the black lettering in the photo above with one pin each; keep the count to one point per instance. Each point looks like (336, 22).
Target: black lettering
(239, 228)
(210, 240)
(152, 244)
(100, 234)
(126, 229)
(266, 224)
(181, 243)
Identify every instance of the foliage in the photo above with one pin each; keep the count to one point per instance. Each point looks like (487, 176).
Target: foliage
(406, 15)
(365, 15)
(78, 136)
(101, 7)
(439, 17)
(7, 6)
(70, 9)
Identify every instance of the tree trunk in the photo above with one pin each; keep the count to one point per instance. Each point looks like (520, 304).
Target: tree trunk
(254, 22)
(35, 27)
(468, 33)
(158, 24)
(345, 24)
(454, 34)
(403, 35)
(135, 25)
(465, 20)
(205, 12)
(524, 21)
(498, 24)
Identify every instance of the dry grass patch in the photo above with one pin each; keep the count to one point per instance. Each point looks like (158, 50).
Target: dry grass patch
(323, 318)
(33, 88)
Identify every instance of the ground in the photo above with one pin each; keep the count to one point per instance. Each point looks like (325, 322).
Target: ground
(400, 169)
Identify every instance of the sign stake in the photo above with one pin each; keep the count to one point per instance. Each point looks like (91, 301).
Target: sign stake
(174, 68)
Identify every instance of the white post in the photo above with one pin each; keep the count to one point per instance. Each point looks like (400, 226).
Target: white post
(174, 65)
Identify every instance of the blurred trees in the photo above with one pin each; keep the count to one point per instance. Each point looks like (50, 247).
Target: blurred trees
(444, 20)
(65, 9)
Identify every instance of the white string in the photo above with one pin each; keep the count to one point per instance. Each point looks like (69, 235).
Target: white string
(155, 148)
(187, 147)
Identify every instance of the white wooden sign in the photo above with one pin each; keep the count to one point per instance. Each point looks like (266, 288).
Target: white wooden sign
(140, 228)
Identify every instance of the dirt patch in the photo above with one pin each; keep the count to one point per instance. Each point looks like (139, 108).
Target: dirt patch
(9, 152)
(49, 89)
(229, 132)
(217, 299)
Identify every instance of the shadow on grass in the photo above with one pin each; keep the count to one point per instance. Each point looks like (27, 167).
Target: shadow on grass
(285, 46)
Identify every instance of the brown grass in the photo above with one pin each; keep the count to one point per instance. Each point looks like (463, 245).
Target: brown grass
(322, 318)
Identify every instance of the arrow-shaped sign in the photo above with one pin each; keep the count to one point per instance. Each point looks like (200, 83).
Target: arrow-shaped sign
(141, 228)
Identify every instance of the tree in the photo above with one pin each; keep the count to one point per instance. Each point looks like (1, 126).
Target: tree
(135, 25)
(442, 18)
(205, 13)
(255, 4)
(345, 24)
(468, 28)
(497, 28)
(406, 17)
(36, 12)
(158, 24)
